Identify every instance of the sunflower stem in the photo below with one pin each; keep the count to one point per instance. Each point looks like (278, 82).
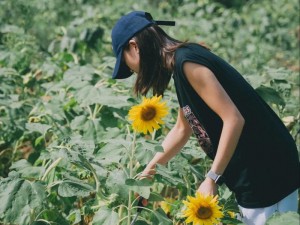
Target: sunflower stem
(188, 185)
(153, 135)
(120, 211)
(90, 112)
(131, 157)
(97, 109)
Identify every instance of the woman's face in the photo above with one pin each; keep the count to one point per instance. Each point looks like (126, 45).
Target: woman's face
(132, 57)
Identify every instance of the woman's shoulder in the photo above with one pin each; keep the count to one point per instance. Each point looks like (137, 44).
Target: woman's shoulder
(191, 52)
(190, 49)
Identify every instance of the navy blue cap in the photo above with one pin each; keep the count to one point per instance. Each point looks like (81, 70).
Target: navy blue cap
(125, 28)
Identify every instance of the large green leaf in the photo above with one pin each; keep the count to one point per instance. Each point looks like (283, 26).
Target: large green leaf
(38, 127)
(146, 150)
(181, 165)
(105, 216)
(113, 151)
(26, 170)
(78, 76)
(142, 187)
(69, 188)
(115, 183)
(89, 95)
(20, 199)
(168, 175)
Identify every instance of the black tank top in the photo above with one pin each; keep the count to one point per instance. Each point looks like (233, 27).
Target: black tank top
(265, 165)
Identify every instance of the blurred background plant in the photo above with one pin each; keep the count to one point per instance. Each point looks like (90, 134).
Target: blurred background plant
(64, 136)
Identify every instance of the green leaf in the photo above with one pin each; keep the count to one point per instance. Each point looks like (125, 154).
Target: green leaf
(113, 100)
(141, 222)
(155, 197)
(143, 182)
(229, 220)
(82, 145)
(37, 127)
(112, 152)
(225, 193)
(115, 183)
(270, 95)
(105, 216)
(52, 216)
(193, 151)
(49, 215)
(19, 199)
(89, 95)
(142, 187)
(170, 176)
(290, 218)
(26, 170)
(146, 150)
(75, 216)
(38, 140)
(42, 222)
(78, 122)
(70, 188)
(181, 164)
(161, 218)
(79, 76)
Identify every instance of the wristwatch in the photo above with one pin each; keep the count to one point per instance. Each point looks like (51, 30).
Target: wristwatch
(218, 179)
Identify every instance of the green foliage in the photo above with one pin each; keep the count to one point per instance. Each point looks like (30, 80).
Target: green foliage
(291, 218)
(20, 199)
(67, 152)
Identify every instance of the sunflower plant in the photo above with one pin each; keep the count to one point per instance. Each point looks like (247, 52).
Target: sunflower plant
(146, 117)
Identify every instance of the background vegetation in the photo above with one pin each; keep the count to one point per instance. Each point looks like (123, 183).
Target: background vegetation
(66, 147)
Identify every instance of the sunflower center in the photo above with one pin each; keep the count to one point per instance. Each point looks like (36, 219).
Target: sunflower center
(148, 113)
(204, 212)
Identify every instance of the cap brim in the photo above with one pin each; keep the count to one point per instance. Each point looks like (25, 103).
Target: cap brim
(121, 70)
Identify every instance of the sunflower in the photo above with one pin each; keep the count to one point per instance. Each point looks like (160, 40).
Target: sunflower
(202, 210)
(148, 115)
(167, 204)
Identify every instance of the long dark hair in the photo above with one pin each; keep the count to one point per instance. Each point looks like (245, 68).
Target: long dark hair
(156, 50)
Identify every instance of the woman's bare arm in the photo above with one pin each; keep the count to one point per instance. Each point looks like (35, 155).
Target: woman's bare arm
(210, 90)
(173, 143)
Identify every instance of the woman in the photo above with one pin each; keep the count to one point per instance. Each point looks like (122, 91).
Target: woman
(252, 151)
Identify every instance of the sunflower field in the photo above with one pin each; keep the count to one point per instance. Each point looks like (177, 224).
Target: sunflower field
(71, 150)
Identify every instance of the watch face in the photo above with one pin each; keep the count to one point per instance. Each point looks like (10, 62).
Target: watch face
(212, 175)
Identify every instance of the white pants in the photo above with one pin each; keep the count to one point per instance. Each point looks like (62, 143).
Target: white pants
(259, 216)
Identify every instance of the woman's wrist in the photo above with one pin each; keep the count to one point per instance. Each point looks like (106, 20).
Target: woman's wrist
(214, 177)
(147, 173)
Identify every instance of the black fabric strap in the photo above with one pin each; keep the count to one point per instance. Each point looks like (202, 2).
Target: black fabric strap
(165, 23)
(159, 22)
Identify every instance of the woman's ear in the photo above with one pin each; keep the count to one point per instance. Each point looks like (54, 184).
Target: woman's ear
(132, 43)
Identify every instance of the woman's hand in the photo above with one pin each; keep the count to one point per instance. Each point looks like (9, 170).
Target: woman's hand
(208, 187)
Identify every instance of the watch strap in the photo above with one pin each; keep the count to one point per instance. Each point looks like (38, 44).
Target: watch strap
(218, 179)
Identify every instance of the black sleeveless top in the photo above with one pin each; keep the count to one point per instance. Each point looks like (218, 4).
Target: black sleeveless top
(265, 165)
